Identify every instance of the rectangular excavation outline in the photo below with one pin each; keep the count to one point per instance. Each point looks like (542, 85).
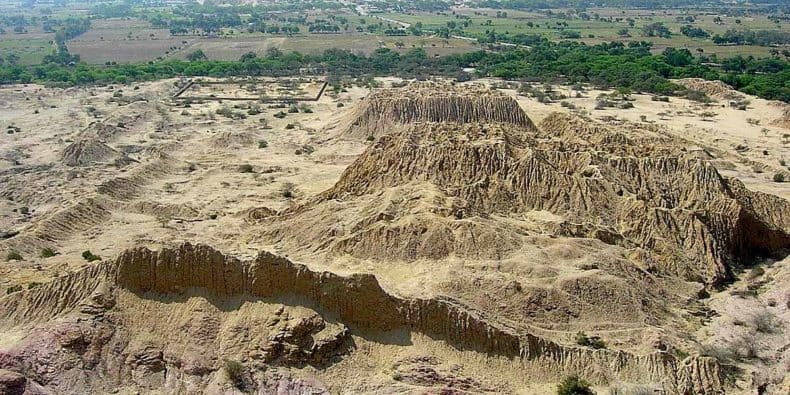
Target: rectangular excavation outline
(179, 95)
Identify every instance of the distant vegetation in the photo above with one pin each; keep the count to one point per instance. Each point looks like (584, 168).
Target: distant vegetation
(609, 65)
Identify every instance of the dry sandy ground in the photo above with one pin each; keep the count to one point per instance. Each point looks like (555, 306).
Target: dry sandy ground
(177, 175)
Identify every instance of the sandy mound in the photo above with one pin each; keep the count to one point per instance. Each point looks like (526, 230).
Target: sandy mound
(86, 152)
(384, 109)
(437, 189)
(714, 89)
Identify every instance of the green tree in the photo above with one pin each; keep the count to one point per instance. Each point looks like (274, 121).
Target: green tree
(197, 55)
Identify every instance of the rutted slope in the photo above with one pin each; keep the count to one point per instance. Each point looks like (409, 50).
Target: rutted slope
(692, 221)
(384, 109)
(356, 300)
(88, 212)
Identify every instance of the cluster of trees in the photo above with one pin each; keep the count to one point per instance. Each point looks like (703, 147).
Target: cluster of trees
(323, 26)
(694, 32)
(582, 4)
(656, 29)
(750, 37)
(614, 65)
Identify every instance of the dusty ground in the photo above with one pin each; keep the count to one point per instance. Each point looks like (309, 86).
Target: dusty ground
(161, 172)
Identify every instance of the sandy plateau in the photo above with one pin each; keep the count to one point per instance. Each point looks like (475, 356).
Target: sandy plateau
(427, 238)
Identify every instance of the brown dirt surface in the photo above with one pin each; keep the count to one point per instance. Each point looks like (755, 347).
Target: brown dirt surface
(426, 237)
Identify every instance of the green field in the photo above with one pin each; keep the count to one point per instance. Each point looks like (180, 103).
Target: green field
(130, 39)
(594, 31)
(29, 50)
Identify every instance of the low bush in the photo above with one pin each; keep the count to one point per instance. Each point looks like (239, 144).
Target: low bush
(573, 385)
(13, 256)
(235, 373)
(89, 256)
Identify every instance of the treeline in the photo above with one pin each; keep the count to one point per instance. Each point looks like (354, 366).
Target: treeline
(750, 37)
(553, 4)
(609, 65)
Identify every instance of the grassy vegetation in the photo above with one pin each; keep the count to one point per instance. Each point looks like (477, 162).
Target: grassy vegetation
(89, 256)
(559, 42)
(234, 370)
(631, 67)
(573, 385)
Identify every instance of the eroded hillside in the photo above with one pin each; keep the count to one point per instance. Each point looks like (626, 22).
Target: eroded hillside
(429, 238)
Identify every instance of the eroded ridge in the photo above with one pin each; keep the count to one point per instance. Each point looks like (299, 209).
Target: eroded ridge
(120, 296)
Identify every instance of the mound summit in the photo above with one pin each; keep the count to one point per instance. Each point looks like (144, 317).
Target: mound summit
(386, 108)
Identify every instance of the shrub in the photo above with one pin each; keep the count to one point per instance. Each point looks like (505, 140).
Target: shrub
(89, 256)
(779, 177)
(371, 138)
(235, 372)
(263, 144)
(13, 256)
(593, 341)
(289, 126)
(293, 110)
(289, 190)
(245, 168)
(765, 322)
(15, 288)
(280, 115)
(48, 252)
(573, 385)
(697, 96)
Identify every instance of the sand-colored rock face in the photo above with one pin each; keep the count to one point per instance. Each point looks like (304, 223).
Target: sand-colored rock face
(636, 192)
(122, 299)
(461, 249)
(784, 120)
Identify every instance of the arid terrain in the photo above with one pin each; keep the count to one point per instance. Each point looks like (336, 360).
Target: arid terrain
(417, 237)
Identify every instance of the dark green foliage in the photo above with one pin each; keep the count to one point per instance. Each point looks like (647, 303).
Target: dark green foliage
(749, 37)
(48, 252)
(15, 288)
(656, 29)
(235, 372)
(691, 31)
(606, 65)
(245, 168)
(779, 177)
(263, 144)
(573, 385)
(13, 256)
(89, 256)
(197, 55)
(592, 341)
